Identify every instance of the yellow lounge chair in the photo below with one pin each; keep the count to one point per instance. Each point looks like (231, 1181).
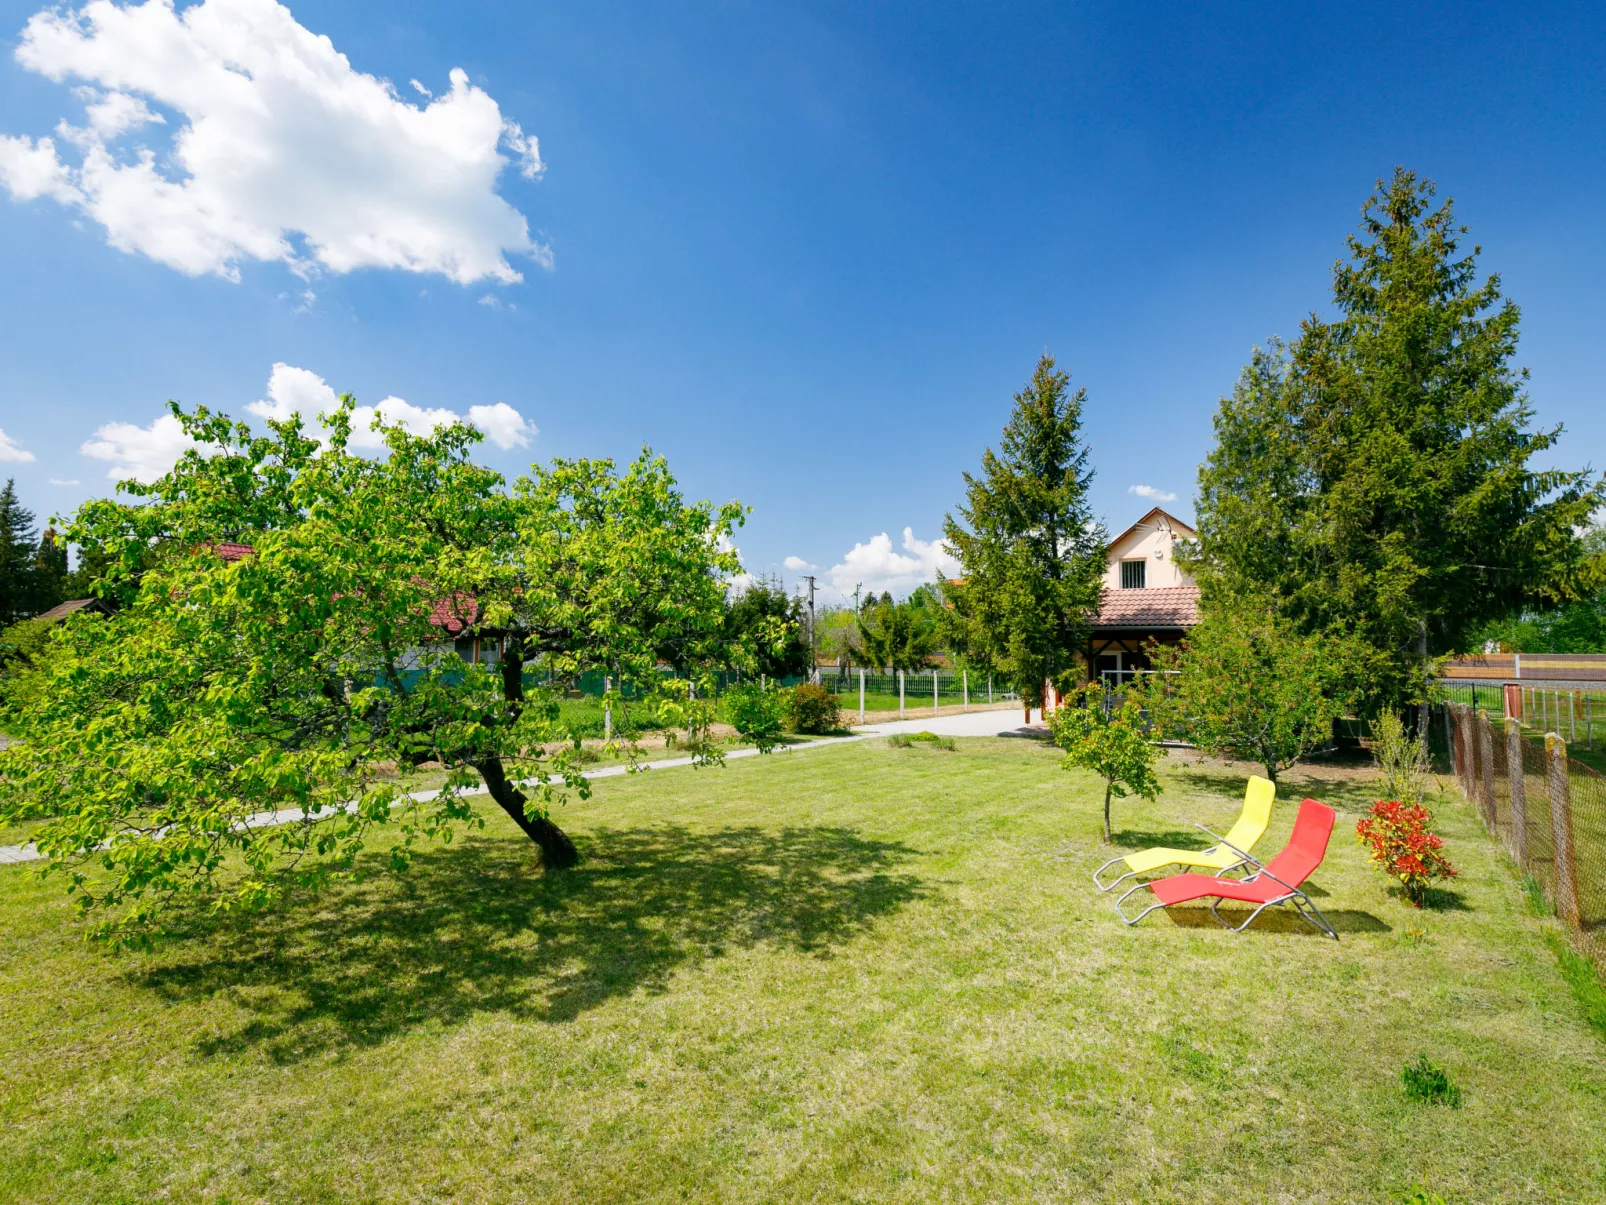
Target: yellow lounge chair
(1251, 824)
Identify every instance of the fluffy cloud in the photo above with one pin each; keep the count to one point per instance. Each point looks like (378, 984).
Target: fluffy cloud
(65, 481)
(798, 565)
(11, 451)
(278, 150)
(877, 567)
(145, 453)
(294, 390)
(1149, 491)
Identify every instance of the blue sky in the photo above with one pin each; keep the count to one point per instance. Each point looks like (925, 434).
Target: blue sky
(806, 251)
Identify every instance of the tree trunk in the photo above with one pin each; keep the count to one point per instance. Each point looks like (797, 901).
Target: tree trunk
(557, 850)
(1108, 836)
(1422, 707)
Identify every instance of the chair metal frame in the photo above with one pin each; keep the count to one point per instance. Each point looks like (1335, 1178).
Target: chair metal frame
(1302, 902)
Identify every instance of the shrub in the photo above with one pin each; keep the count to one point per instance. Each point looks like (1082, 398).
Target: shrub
(1404, 848)
(756, 714)
(1429, 1084)
(1402, 760)
(1421, 1196)
(814, 709)
(901, 740)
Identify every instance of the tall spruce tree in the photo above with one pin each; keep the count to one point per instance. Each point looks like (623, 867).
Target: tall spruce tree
(17, 550)
(1374, 479)
(1031, 554)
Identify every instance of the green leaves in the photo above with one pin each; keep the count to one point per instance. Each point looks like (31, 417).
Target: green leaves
(250, 725)
(1110, 741)
(1246, 685)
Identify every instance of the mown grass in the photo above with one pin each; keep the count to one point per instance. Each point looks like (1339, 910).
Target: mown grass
(860, 973)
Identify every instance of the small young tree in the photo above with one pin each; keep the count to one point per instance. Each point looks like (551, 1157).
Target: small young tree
(1246, 685)
(1111, 742)
(1030, 552)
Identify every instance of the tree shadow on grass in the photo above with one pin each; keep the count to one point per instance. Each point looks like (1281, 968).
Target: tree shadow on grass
(479, 928)
(1174, 838)
(1277, 920)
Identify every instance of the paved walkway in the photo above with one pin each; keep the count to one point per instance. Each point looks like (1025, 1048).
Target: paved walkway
(976, 723)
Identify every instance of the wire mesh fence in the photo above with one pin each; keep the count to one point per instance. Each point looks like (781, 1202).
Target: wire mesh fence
(1546, 807)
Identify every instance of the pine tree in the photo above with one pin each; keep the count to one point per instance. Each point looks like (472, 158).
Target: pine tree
(17, 549)
(1031, 554)
(1375, 481)
(49, 570)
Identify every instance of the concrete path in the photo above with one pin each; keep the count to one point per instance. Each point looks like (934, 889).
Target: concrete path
(975, 723)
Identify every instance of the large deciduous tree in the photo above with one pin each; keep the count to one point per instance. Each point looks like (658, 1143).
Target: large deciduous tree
(311, 676)
(1376, 478)
(1031, 554)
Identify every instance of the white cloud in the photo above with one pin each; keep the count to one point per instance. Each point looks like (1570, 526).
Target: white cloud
(877, 567)
(275, 136)
(300, 391)
(503, 426)
(798, 565)
(11, 451)
(32, 169)
(143, 453)
(65, 481)
(146, 453)
(1149, 491)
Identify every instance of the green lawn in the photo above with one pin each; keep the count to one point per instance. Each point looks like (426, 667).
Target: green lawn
(849, 974)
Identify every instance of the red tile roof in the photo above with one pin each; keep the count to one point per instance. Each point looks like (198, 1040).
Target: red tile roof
(233, 552)
(1158, 607)
(455, 613)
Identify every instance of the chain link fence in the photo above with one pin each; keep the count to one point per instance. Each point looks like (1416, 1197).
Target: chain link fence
(1546, 807)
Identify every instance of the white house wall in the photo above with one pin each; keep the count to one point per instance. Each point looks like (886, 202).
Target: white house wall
(1154, 544)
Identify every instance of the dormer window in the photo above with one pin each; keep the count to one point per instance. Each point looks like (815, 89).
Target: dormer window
(1134, 574)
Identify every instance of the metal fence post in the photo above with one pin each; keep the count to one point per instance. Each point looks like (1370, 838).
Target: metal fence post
(861, 696)
(1519, 793)
(900, 694)
(936, 700)
(1486, 779)
(1561, 822)
(1572, 717)
(964, 679)
(989, 690)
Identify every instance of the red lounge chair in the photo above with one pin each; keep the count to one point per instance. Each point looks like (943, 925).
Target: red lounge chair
(1276, 882)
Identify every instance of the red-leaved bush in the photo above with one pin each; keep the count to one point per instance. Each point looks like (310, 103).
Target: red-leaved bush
(1402, 845)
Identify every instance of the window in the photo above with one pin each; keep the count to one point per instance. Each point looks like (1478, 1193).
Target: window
(1133, 574)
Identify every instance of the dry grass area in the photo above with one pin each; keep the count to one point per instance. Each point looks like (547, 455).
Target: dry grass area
(852, 974)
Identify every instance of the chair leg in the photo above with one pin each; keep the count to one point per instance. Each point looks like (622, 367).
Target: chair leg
(1304, 907)
(1134, 920)
(1114, 883)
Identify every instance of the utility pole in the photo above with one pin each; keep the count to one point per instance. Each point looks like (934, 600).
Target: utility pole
(814, 644)
(856, 588)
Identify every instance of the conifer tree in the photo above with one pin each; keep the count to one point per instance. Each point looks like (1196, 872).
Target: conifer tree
(1375, 480)
(17, 547)
(1031, 554)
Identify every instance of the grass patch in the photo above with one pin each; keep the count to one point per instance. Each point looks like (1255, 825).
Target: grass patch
(1428, 1084)
(1581, 977)
(910, 740)
(848, 974)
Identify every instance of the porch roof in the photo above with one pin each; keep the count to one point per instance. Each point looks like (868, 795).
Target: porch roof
(1145, 609)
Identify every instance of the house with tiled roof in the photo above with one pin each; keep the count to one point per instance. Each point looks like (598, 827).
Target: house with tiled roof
(1147, 597)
